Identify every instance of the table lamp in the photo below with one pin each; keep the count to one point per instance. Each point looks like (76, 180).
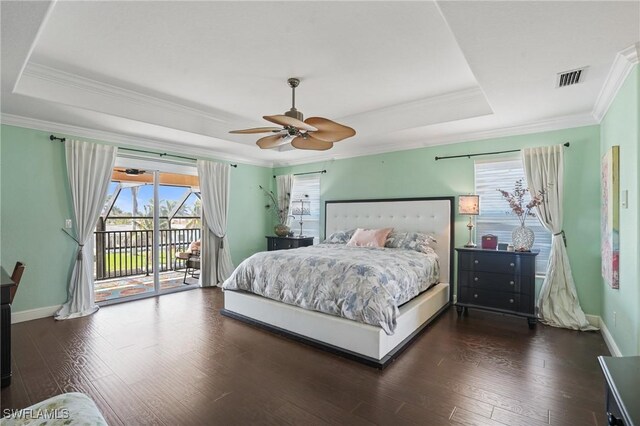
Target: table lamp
(469, 205)
(303, 209)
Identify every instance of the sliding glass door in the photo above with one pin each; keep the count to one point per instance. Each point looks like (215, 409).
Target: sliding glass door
(178, 238)
(147, 235)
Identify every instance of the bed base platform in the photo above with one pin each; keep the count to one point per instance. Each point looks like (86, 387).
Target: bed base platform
(364, 343)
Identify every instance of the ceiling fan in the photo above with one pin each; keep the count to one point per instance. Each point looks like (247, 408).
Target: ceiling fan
(314, 133)
(131, 172)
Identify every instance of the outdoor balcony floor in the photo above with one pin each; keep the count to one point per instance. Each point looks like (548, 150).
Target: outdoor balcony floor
(115, 288)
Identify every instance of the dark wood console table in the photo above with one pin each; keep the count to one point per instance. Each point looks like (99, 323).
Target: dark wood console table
(5, 327)
(622, 376)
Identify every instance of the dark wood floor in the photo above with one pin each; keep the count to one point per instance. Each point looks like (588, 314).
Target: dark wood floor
(175, 360)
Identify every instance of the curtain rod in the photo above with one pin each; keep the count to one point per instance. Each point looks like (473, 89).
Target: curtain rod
(307, 173)
(484, 153)
(161, 154)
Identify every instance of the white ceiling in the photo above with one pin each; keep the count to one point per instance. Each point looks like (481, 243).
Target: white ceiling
(180, 75)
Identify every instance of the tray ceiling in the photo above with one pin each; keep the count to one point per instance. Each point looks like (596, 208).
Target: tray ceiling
(182, 74)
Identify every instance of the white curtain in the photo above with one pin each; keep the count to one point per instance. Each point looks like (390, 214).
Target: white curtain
(558, 303)
(283, 188)
(89, 168)
(216, 265)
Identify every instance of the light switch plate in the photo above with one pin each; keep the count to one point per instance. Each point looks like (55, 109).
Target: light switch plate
(68, 224)
(624, 199)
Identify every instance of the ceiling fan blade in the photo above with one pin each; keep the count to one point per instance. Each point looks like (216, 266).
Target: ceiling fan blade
(285, 120)
(257, 130)
(329, 131)
(272, 141)
(311, 143)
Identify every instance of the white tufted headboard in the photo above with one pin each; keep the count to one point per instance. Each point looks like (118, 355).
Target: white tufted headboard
(429, 215)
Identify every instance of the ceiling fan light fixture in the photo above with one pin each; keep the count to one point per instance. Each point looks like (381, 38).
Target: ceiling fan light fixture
(314, 133)
(134, 172)
(294, 113)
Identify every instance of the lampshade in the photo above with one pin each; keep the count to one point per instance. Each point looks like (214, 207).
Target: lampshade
(469, 204)
(301, 208)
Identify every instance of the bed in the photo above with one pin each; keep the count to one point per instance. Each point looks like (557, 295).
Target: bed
(386, 296)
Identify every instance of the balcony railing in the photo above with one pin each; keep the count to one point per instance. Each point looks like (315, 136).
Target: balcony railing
(126, 253)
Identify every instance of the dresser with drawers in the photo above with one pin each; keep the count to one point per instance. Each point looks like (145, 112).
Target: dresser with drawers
(497, 280)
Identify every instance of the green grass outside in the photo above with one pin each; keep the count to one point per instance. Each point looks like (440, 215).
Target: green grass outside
(128, 261)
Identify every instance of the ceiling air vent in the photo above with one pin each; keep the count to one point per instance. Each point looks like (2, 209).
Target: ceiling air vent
(569, 78)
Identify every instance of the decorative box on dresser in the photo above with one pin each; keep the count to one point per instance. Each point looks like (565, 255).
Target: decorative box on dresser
(497, 280)
(285, 243)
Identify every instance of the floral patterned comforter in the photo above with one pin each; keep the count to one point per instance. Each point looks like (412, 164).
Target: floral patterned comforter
(363, 284)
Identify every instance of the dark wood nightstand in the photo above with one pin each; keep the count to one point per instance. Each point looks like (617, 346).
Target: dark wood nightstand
(622, 376)
(497, 280)
(285, 243)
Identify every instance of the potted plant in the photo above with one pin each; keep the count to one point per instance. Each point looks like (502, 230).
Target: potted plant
(282, 214)
(522, 236)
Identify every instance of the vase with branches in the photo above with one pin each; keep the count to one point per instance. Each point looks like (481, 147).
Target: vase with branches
(522, 204)
(282, 214)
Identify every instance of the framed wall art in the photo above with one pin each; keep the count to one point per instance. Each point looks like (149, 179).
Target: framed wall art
(610, 217)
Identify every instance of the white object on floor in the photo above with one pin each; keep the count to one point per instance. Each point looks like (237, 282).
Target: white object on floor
(68, 409)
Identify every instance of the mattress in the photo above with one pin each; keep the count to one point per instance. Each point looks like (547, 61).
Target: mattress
(363, 284)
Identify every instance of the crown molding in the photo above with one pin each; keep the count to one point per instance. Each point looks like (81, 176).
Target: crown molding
(447, 107)
(73, 81)
(566, 122)
(458, 97)
(155, 145)
(618, 73)
(125, 140)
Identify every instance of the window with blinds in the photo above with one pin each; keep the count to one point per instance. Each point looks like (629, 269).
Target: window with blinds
(495, 216)
(307, 189)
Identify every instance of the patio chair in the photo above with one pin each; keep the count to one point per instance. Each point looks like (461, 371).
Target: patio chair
(192, 261)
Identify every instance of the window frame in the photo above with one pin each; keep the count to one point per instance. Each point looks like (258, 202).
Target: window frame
(543, 237)
(314, 218)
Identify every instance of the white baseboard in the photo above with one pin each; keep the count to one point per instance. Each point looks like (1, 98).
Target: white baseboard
(606, 334)
(31, 314)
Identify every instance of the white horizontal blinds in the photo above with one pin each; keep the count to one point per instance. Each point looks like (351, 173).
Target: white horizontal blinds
(495, 216)
(303, 186)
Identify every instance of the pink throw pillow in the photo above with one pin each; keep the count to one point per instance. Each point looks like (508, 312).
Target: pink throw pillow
(369, 237)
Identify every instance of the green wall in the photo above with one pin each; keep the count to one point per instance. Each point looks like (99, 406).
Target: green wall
(621, 126)
(35, 201)
(415, 173)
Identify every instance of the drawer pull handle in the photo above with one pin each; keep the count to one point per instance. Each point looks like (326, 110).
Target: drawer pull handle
(510, 300)
(475, 295)
(475, 261)
(512, 264)
(511, 283)
(475, 278)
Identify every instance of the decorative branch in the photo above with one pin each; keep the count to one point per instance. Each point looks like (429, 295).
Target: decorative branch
(281, 214)
(516, 200)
